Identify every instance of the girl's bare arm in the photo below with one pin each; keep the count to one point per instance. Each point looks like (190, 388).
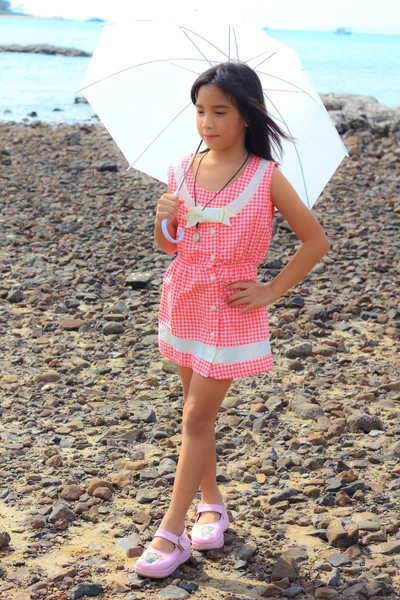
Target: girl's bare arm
(305, 226)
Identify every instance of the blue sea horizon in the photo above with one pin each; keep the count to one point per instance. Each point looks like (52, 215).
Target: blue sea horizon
(360, 63)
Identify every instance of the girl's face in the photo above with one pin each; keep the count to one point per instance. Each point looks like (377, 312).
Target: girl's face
(218, 121)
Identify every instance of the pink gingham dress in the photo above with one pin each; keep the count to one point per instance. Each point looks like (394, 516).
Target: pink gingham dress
(197, 327)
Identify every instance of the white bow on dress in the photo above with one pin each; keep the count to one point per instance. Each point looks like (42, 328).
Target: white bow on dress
(196, 214)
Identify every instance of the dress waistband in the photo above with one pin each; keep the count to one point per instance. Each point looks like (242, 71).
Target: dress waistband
(206, 262)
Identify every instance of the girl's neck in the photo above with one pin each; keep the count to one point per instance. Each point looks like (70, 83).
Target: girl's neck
(227, 157)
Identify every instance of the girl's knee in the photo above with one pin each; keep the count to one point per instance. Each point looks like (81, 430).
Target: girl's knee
(197, 422)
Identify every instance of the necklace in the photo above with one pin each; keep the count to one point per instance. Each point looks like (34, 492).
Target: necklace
(196, 235)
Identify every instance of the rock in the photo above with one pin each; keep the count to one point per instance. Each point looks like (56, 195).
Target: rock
(392, 547)
(360, 421)
(61, 511)
(285, 494)
(131, 545)
(71, 492)
(15, 296)
(113, 328)
(246, 551)
(98, 483)
(139, 280)
(85, 589)
(172, 592)
(71, 324)
(44, 49)
(286, 567)
(4, 539)
(300, 351)
(102, 492)
(145, 496)
(342, 535)
(306, 411)
(46, 377)
(107, 166)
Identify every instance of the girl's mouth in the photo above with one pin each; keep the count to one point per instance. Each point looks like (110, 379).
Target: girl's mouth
(210, 137)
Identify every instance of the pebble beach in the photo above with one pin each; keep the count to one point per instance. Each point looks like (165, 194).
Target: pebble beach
(90, 412)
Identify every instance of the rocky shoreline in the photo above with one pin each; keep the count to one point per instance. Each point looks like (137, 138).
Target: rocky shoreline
(44, 49)
(90, 413)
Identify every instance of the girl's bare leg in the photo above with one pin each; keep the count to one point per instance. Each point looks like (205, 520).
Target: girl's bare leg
(204, 398)
(210, 492)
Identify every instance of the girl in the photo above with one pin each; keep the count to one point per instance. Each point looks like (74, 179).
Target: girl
(213, 319)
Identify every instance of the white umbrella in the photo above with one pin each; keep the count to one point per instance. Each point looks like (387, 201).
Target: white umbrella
(139, 80)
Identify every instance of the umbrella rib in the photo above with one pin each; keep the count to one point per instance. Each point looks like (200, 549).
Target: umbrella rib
(229, 43)
(262, 54)
(184, 29)
(289, 83)
(159, 134)
(236, 44)
(296, 150)
(159, 60)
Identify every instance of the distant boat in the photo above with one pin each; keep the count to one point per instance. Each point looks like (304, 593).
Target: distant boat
(343, 31)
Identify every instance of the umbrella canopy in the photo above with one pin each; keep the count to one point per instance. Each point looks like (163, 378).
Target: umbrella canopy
(139, 80)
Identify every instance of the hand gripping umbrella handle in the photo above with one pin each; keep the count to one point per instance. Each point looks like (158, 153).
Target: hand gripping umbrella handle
(164, 221)
(166, 232)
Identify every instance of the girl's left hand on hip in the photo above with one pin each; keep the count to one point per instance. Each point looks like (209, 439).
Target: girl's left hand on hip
(255, 295)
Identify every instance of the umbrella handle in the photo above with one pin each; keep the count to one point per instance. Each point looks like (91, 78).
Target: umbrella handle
(166, 232)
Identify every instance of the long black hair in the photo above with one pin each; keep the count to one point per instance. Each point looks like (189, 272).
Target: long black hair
(242, 85)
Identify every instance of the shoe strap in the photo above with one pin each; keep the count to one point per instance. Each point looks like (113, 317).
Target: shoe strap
(219, 508)
(178, 540)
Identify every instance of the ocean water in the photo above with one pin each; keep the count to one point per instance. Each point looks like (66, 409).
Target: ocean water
(364, 64)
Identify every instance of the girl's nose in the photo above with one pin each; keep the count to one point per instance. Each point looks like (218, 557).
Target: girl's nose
(207, 122)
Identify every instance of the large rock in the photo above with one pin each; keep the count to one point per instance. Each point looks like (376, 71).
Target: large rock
(360, 113)
(342, 535)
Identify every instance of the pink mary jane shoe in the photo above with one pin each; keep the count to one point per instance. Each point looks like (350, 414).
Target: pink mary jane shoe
(154, 563)
(211, 535)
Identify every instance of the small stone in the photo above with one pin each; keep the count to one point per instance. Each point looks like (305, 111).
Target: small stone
(363, 422)
(107, 166)
(71, 324)
(300, 351)
(147, 495)
(113, 328)
(85, 589)
(131, 545)
(138, 280)
(71, 492)
(246, 551)
(4, 539)
(337, 560)
(96, 483)
(307, 411)
(342, 536)
(102, 492)
(172, 592)
(392, 547)
(46, 377)
(61, 511)
(286, 567)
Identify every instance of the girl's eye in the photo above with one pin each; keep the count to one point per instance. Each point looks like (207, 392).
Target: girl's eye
(219, 113)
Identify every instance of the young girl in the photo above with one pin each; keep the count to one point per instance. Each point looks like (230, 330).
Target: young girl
(213, 319)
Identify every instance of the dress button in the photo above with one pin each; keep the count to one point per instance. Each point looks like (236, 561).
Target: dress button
(212, 231)
(212, 256)
(213, 308)
(212, 277)
(212, 334)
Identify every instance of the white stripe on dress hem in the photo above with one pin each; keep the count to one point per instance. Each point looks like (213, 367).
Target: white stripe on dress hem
(212, 354)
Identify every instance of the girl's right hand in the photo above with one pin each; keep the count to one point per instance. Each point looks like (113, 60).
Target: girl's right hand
(168, 207)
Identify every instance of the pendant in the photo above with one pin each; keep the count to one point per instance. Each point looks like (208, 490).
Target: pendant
(196, 237)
